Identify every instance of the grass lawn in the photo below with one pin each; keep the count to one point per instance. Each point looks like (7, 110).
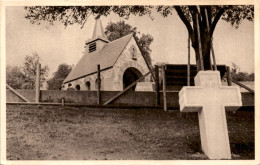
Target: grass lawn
(63, 133)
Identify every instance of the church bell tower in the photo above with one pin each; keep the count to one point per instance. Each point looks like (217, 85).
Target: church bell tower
(98, 40)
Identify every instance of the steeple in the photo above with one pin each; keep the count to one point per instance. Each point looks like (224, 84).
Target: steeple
(98, 30)
(98, 40)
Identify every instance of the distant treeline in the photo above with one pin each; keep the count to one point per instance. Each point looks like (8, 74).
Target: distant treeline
(243, 76)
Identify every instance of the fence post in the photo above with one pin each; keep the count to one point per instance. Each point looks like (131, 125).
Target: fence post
(228, 76)
(188, 67)
(37, 83)
(98, 85)
(164, 88)
(157, 88)
(62, 101)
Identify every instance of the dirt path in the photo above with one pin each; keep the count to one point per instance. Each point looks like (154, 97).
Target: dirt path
(62, 133)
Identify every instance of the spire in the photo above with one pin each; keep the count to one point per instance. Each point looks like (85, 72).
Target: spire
(98, 30)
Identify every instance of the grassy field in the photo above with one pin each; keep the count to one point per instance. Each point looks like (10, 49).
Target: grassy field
(63, 133)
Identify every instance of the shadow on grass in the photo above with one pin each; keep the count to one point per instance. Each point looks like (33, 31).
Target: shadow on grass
(244, 150)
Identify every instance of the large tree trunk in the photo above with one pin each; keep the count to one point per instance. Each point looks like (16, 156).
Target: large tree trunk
(205, 46)
(205, 55)
(197, 57)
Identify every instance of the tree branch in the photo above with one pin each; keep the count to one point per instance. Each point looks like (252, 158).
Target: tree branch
(203, 22)
(216, 19)
(203, 16)
(184, 19)
(193, 10)
(208, 8)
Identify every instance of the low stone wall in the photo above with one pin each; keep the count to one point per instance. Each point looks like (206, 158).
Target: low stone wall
(90, 97)
(28, 94)
(130, 98)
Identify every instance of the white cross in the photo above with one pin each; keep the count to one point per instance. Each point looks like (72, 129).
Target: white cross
(209, 99)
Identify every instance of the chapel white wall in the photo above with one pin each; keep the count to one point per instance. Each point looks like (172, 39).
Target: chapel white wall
(112, 79)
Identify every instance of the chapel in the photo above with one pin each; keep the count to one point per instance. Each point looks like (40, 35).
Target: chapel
(121, 63)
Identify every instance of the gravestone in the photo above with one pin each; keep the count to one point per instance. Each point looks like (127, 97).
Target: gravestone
(210, 99)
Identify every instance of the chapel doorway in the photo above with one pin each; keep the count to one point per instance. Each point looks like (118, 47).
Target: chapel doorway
(131, 75)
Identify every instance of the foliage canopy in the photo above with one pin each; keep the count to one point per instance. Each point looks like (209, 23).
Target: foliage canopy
(120, 29)
(25, 77)
(59, 76)
(206, 17)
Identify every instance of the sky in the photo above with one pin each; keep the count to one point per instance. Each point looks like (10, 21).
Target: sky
(57, 44)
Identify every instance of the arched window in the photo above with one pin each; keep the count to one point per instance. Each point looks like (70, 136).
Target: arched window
(88, 85)
(77, 87)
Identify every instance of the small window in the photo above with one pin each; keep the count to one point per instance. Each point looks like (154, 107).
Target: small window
(69, 85)
(88, 85)
(77, 87)
(92, 47)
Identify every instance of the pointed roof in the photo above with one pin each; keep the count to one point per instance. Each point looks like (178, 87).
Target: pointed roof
(106, 57)
(98, 30)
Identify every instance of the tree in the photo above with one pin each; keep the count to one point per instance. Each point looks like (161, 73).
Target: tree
(24, 77)
(59, 76)
(240, 76)
(235, 68)
(120, 29)
(144, 44)
(189, 15)
(14, 77)
(243, 76)
(207, 18)
(29, 70)
(251, 77)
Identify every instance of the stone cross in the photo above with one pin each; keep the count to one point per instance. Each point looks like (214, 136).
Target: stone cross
(210, 99)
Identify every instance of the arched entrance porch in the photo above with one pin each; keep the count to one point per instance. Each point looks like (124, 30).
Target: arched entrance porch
(131, 75)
